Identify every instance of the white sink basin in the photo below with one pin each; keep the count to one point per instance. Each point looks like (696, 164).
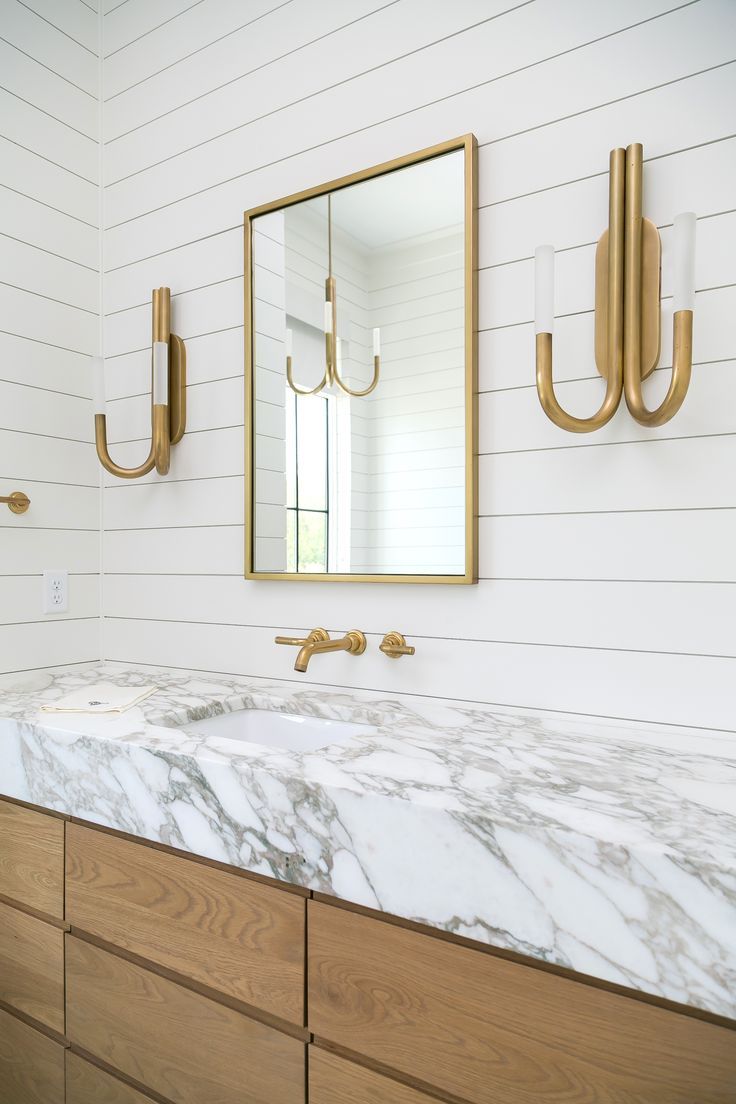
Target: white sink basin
(278, 730)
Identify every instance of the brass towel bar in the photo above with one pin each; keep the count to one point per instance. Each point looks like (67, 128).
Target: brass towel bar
(17, 502)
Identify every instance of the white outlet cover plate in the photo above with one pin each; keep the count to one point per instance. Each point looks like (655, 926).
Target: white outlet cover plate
(55, 591)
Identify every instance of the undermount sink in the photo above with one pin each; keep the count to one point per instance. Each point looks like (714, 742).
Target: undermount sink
(287, 731)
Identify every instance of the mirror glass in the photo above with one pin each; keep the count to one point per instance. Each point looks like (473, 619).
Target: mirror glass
(360, 376)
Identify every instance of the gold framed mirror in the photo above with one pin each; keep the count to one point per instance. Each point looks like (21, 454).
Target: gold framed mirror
(360, 362)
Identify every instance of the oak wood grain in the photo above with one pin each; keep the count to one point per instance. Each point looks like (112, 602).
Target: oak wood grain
(32, 967)
(31, 1065)
(236, 936)
(334, 1080)
(489, 1030)
(32, 858)
(88, 1084)
(182, 1045)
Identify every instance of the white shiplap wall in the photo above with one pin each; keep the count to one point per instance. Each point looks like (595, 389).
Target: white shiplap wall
(49, 321)
(607, 562)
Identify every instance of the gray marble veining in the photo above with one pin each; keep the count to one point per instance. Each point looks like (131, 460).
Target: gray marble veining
(607, 848)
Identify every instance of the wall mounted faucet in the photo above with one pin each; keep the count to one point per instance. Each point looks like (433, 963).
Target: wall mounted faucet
(319, 641)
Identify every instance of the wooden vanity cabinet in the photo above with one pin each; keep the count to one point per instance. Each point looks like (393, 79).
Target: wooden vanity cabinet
(185, 1046)
(149, 977)
(88, 1084)
(234, 935)
(31, 1064)
(488, 1030)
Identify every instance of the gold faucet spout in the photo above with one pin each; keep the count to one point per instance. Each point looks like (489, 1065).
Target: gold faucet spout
(319, 641)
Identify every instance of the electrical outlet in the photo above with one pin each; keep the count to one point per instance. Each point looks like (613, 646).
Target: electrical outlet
(55, 591)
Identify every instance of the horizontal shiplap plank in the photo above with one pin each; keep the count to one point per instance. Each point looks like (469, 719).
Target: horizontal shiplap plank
(51, 232)
(73, 18)
(50, 644)
(667, 617)
(331, 59)
(42, 319)
(647, 475)
(54, 506)
(679, 42)
(28, 551)
(21, 597)
(662, 545)
(26, 266)
(23, 360)
(33, 129)
(658, 686)
(28, 456)
(32, 176)
(48, 44)
(24, 77)
(45, 413)
(526, 35)
(186, 26)
(513, 421)
(251, 39)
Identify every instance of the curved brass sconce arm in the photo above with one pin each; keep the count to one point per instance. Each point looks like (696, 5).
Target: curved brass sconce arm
(682, 322)
(168, 397)
(611, 247)
(109, 464)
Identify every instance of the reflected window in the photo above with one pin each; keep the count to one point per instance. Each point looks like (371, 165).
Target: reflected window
(307, 482)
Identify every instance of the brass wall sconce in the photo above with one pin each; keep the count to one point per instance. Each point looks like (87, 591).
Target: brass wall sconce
(332, 370)
(627, 308)
(168, 395)
(16, 501)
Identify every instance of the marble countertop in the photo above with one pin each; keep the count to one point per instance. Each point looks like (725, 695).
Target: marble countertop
(608, 848)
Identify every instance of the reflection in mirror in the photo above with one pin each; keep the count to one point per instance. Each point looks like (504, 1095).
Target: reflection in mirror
(360, 378)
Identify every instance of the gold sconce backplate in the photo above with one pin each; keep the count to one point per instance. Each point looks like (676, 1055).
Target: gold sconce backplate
(651, 329)
(177, 388)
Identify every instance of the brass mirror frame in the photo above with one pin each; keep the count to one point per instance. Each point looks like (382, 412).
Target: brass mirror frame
(469, 145)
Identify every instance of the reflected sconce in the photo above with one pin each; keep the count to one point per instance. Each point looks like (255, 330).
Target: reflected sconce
(627, 307)
(332, 368)
(168, 395)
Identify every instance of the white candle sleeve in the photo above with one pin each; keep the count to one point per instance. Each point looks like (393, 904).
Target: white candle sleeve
(289, 343)
(328, 317)
(160, 373)
(684, 258)
(98, 385)
(376, 342)
(544, 289)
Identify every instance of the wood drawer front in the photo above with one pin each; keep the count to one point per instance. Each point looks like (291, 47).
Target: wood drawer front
(31, 1065)
(87, 1084)
(32, 967)
(490, 1030)
(182, 1045)
(32, 858)
(239, 937)
(334, 1080)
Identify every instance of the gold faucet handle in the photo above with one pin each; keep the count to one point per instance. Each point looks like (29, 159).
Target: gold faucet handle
(394, 646)
(296, 642)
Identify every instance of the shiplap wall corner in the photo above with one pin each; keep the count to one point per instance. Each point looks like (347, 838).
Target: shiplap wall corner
(607, 566)
(49, 321)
